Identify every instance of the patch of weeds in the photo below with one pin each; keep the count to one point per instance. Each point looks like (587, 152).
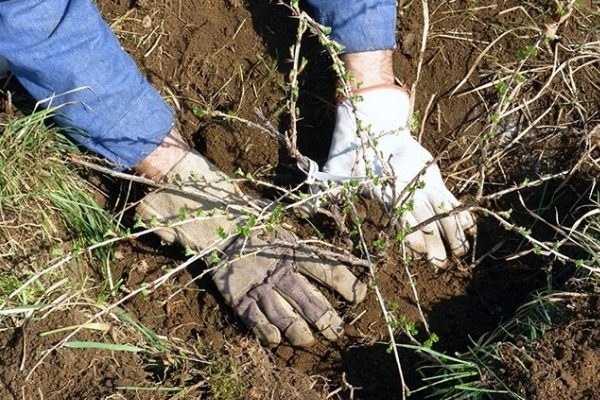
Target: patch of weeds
(453, 378)
(473, 375)
(415, 121)
(9, 283)
(527, 52)
(224, 380)
(501, 87)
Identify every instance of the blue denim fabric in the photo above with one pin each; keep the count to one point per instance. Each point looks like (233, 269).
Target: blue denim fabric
(57, 46)
(359, 25)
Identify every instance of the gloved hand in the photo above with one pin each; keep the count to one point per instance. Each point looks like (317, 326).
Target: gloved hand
(386, 149)
(263, 276)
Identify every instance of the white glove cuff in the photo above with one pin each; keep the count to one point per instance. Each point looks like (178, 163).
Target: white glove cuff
(383, 109)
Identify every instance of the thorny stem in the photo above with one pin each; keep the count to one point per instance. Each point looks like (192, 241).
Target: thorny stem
(385, 312)
(424, 36)
(546, 249)
(298, 65)
(415, 292)
(285, 140)
(346, 91)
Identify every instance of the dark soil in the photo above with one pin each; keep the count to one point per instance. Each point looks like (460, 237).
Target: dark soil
(226, 360)
(564, 364)
(230, 55)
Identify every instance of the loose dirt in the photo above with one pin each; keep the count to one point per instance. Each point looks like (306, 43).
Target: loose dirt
(229, 55)
(71, 373)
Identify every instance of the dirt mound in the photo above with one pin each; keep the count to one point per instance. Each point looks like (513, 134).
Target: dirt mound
(564, 364)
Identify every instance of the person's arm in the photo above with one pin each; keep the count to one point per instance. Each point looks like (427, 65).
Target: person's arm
(367, 30)
(62, 50)
(358, 25)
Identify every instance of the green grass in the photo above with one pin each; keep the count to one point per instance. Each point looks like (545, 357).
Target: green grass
(225, 382)
(472, 375)
(46, 208)
(47, 214)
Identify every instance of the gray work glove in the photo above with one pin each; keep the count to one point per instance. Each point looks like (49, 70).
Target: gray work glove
(263, 274)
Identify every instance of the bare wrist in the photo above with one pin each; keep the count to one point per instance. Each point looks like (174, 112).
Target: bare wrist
(371, 68)
(170, 151)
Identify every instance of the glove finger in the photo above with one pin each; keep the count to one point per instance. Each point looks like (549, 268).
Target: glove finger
(311, 304)
(451, 228)
(335, 276)
(467, 221)
(251, 315)
(465, 218)
(436, 252)
(283, 316)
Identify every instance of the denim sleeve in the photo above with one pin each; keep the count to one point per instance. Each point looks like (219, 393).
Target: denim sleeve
(62, 50)
(358, 25)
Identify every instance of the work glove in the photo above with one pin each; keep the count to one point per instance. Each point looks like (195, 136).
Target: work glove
(263, 274)
(372, 139)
